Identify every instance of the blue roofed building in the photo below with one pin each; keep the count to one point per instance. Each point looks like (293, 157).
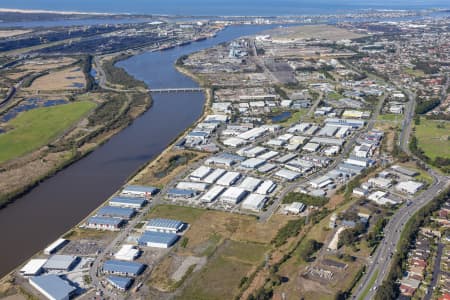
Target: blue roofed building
(53, 287)
(124, 268)
(139, 191)
(119, 212)
(130, 202)
(164, 225)
(120, 283)
(158, 239)
(104, 223)
(180, 193)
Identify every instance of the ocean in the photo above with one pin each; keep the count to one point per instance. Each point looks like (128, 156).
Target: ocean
(223, 7)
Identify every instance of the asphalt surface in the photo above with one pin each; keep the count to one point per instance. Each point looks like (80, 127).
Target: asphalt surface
(436, 272)
(382, 258)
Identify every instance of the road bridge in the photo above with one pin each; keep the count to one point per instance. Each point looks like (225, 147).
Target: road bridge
(176, 90)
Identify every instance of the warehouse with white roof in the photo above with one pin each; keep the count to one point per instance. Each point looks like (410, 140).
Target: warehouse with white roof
(229, 178)
(216, 174)
(164, 225)
(212, 193)
(200, 173)
(33, 267)
(287, 174)
(250, 183)
(233, 195)
(267, 187)
(254, 202)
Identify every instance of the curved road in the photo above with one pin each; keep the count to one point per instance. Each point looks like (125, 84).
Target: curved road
(381, 259)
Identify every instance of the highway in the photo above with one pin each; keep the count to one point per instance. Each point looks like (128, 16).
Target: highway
(382, 258)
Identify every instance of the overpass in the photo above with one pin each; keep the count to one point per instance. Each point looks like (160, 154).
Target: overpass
(175, 90)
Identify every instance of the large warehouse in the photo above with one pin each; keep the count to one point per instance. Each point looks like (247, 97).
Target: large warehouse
(61, 262)
(127, 252)
(34, 267)
(164, 225)
(119, 212)
(120, 283)
(254, 202)
(158, 239)
(139, 191)
(53, 287)
(233, 195)
(104, 223)
(124, 268)
(130, 202)
(212, 194)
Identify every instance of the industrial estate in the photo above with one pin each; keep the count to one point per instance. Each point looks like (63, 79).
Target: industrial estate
(318, 169)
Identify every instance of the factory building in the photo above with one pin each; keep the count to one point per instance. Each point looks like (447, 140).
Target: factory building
(216, 174)
(194, 186)
(267, 187)
(53, 287)
(200, 173)
(116, 212)
(233, 195)
(180, 194)
(212, 194)
(294, 208)
(327, 141)
(139, 191)
(224, 159)
(55, 246)
(253, 163)
(120, 283)
(128, 253)
(229, 178)
(104, 223)
(234, 142)
(129, 202)
(61, 262)
(266, 168)
(33, 267)
(287, 174)
(250, 183)
(158, 239)
(254, 202)
(268, 155)
(164, 225)
(123, 268)
(409, 187)
(321, 182)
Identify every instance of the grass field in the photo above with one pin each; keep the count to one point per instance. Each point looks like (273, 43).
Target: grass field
(433, 138)
(221, 277)
(390, 117)
(36, 128)
(294, 118)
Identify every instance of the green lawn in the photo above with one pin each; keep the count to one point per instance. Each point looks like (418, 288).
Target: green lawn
(334, 96)
(37, 127)
(390, 117)
(433, 137)
(295, 117)
(182, 213)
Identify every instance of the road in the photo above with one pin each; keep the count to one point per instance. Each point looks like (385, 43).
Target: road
(436, 272)
(382, 258)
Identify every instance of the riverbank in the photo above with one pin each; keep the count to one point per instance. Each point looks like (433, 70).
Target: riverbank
(6, 282)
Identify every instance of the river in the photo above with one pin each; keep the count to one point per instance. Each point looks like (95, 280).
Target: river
(39, 217)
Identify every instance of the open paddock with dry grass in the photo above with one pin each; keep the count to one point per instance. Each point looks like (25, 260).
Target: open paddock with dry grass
(12, 32)
(327, 32)
(67, 79)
